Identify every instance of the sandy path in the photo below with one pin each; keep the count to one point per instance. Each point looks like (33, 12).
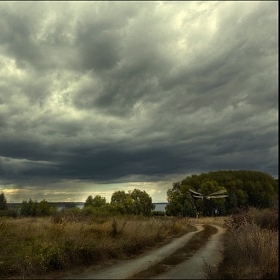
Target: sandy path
(126, 269)
(190, 269)
(193, 268)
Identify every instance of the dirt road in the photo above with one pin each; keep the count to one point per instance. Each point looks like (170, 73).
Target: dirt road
(191, 269)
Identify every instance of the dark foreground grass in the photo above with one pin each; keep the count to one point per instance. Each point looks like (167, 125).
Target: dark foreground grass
(197, 241)
(31, 247)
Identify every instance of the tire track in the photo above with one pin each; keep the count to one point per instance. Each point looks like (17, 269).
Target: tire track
(193, 268)
(128, 268)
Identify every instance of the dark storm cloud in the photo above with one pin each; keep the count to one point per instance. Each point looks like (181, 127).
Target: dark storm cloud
(116, 92)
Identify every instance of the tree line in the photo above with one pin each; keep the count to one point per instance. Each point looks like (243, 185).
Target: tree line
(134, 202)
(244, 188)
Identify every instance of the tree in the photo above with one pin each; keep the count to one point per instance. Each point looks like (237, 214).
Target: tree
(3, 202)
(118, 197)
(209, 206)
(189, 206)
(142, 203)
(45, 208)
(29, 208)
(174, 206)
(244, 188)
(136, 202)
(24, 210)
(122, 202)
(89, 201)
(98, 201)
(180, 202)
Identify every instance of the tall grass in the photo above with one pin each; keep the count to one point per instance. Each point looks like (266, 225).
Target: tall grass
(251, 246)
(220, 221)
(36, 246)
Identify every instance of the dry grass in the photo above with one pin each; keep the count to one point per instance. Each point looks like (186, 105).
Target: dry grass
(220, 221)
(251, 247)
(255, 252)
(36, 246)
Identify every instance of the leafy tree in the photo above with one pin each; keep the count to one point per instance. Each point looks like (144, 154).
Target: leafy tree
(98, 201)
(180, 202)
(45, 209)
(129, 205)
(3, 202)
(89, 201)
(29, 208)
(142, 202)
(118, 197)
(136, 202)
(245, 188)
(122, 202)
(24, 210)
(208, 207)
(33, 208)
(174, 206)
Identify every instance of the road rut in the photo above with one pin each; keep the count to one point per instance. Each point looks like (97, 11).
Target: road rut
(191, 269)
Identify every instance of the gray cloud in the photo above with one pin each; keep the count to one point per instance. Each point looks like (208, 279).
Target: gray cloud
(114, 94)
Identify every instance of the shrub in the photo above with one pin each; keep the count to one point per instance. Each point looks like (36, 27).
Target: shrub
(8, 213)
(158, 213)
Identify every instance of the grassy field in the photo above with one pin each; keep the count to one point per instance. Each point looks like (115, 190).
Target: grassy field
(43, 247)
(32, 247)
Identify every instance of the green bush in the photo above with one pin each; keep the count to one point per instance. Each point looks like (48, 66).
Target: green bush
(9, 213)
(158, 213)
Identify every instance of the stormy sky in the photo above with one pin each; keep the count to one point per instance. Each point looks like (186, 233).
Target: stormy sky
(103, 96)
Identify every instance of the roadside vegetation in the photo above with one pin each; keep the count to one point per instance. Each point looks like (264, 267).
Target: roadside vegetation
(38, 246)
(251, 246)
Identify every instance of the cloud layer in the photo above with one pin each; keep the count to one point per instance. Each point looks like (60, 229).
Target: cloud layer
(100, 93)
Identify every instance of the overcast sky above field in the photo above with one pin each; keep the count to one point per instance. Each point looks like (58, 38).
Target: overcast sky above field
(103, 96)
